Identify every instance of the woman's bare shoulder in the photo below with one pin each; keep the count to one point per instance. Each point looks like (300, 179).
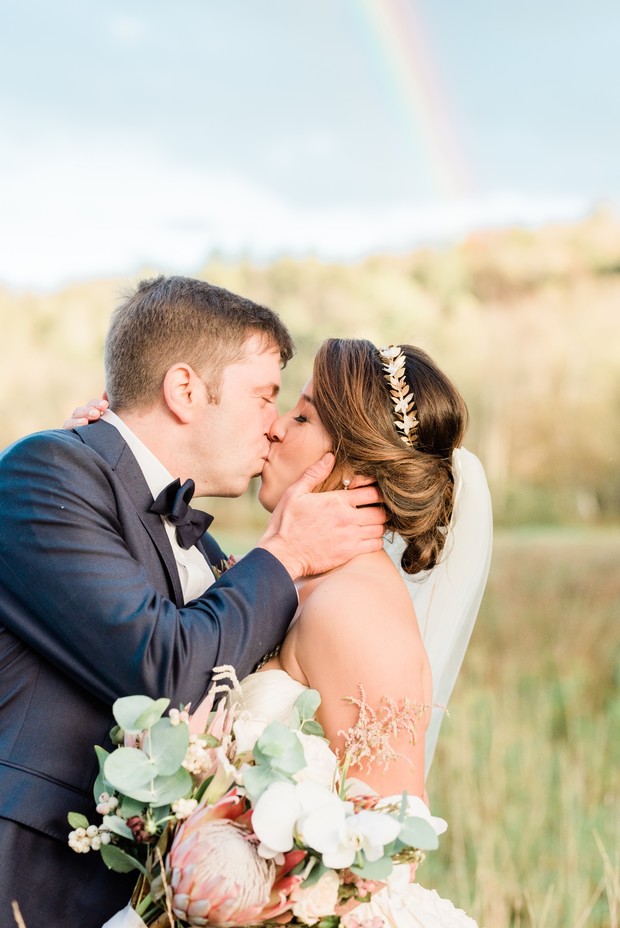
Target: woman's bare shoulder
(361, 597)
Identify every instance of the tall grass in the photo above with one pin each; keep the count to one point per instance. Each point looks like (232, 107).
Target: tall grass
(527, 770)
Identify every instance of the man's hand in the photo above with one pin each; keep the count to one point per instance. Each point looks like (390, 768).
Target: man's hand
(311, 533)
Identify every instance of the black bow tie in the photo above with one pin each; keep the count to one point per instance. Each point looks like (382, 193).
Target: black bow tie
(173, 502)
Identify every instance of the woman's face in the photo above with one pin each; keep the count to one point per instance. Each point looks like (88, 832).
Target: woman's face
(298, 440)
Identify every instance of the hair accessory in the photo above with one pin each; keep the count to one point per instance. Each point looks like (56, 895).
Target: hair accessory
(345, 484)
(393, 362)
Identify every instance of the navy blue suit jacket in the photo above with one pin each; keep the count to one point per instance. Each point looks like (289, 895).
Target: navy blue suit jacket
(91, 609)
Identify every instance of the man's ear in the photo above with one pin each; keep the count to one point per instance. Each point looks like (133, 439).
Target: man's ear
(182, 390)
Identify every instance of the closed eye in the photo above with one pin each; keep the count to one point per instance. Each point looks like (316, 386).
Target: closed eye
(300, 419)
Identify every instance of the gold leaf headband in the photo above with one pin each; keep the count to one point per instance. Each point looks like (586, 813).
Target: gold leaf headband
(404, 412)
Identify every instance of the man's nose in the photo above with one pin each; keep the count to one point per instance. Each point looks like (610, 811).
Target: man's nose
(276, 432)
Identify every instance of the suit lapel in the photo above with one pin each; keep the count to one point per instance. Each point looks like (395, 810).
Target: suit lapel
(112, 447)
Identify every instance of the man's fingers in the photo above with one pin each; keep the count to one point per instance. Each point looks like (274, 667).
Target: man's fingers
(370, 545)
(314, 475)
(363, 496)
(376, 530)
(371, 515)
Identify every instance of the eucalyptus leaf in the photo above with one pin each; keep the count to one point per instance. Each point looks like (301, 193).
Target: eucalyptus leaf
(374, 869)
(307, 703)
(135, 713)
(101, 785)
(160, 812)
(153, 714)
(116, 859)
(312, 727)
(129, 807)
(315, 874)
(128, 768)
(117, 735)
(119, 826)
(167, 746)
(280, 748)
(257, 779)
(162, 791)
(417, 832)
(77, 821)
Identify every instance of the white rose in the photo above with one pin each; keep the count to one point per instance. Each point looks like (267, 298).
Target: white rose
(313, 902)
(321, 762)
(247, 730)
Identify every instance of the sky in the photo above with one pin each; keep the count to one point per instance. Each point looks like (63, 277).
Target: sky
(152, 133)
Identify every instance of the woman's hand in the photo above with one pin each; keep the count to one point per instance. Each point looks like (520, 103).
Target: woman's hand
(82, 415)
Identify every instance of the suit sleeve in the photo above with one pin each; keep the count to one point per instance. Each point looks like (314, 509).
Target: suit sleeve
(75, 590)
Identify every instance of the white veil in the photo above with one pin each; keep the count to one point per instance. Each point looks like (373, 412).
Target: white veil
(447, 598)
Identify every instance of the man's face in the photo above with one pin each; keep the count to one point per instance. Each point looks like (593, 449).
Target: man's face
(231, 440)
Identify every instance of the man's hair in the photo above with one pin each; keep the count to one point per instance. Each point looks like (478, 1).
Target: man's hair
(170, 320)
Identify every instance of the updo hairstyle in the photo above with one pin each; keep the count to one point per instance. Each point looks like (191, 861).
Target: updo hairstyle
(352, 399)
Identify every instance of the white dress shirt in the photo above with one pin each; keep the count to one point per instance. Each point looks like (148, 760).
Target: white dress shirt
(194, 571)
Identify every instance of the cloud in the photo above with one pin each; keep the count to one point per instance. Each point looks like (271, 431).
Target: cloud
(103, 207)
(127, 30)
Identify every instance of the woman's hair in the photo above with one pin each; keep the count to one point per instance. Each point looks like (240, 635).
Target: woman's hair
(353, 400)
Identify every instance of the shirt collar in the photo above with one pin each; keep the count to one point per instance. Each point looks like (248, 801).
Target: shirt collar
(155, 474)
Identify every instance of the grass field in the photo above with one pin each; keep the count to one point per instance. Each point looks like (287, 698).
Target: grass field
(527, 770)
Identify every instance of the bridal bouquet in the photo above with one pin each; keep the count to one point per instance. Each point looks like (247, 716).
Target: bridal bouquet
(242, 823)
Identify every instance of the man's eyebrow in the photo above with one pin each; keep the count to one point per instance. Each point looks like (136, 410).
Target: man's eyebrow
(272, 389)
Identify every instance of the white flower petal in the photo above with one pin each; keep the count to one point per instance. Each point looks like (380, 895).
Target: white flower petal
(247, 730)
(339, 858)
(321, 763)
(275, 816)
(377, 826)
(323, 827)
(417, 808)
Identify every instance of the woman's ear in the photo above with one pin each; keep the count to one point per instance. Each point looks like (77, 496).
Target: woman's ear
(183, 389)
(336, 480)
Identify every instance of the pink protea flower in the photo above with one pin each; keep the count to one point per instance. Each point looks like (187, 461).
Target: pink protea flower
(284, 885)
(216, 876)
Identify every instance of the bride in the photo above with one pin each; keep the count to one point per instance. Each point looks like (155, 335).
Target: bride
(387, 630)
(393, 415)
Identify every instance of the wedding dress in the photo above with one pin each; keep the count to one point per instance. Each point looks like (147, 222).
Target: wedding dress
(269, 695)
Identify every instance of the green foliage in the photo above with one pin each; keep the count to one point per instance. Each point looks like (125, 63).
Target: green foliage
(77, 821)
(278, 755)
(304, 709)
(525, 322)
(135, 713)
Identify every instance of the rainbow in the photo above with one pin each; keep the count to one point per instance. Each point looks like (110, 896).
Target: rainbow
(399, 46)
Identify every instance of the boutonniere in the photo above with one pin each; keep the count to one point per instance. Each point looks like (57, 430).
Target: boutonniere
(223, 566)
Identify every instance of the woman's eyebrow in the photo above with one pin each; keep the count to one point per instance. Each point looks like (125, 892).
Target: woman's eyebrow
(308, 399)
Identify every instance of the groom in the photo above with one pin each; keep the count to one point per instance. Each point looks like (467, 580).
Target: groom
(102, 588)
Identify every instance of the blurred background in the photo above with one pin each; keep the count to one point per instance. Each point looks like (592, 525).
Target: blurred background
(403, 170)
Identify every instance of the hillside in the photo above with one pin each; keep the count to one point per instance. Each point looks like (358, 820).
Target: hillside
(526, 322)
